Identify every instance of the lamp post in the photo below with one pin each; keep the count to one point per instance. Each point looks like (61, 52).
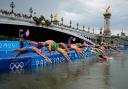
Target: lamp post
(31, 11)
(20, 31)
(88, 29)
(83, 27)
(12, 5)
(100, 30)
(51, 17)
(101, 36)
(77, 25)
(93, 30)
(34, 13)
(62, 19)
(70, 23)
(69, 40)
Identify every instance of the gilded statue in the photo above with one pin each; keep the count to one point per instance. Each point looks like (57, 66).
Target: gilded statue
(56, 18)
(107, 11)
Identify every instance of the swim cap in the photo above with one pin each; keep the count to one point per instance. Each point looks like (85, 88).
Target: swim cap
(53, 46)
(69, 45)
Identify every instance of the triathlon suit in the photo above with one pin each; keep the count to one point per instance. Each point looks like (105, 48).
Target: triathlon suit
(102, 48)
(71, 46)
(100, 55)
(39, 45)
(21, 44)
(74, 47)
(27, 46)
(29, 49)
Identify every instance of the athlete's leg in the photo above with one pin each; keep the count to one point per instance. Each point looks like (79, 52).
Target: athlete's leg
(36, 50)
(64, 53)
(21, 51)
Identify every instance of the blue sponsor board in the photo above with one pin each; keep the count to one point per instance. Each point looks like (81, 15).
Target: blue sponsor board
(9, 45)
(11, 64)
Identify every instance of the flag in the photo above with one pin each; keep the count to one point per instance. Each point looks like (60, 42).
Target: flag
(74, 39)
(27, 33)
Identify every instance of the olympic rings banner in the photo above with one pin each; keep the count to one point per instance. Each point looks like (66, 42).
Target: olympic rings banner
(9, 45)
(17, 65)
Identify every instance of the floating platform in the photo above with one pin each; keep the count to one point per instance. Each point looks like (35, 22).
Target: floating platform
(28, 60)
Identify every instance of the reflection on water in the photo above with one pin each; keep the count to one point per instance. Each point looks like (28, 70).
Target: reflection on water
(71, 76)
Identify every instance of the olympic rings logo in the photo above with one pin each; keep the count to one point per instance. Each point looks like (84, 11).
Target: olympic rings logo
(16, 65)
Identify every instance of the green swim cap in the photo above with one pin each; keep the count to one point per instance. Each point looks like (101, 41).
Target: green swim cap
(54, 46)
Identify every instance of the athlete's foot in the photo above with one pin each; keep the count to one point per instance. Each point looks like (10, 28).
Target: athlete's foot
(106, 63)
(84, 60)
(71, 62)
(48, 60)
(15, 58)
(13, 51)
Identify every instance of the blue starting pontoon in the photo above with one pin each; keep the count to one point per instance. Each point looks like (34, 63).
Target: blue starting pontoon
(29, 60)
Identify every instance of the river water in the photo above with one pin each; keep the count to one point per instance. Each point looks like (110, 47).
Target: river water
(71, 76)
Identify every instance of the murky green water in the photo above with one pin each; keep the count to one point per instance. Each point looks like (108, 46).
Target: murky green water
(71, 76)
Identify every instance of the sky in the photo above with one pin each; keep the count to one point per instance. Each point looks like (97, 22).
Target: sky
(85, 12)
